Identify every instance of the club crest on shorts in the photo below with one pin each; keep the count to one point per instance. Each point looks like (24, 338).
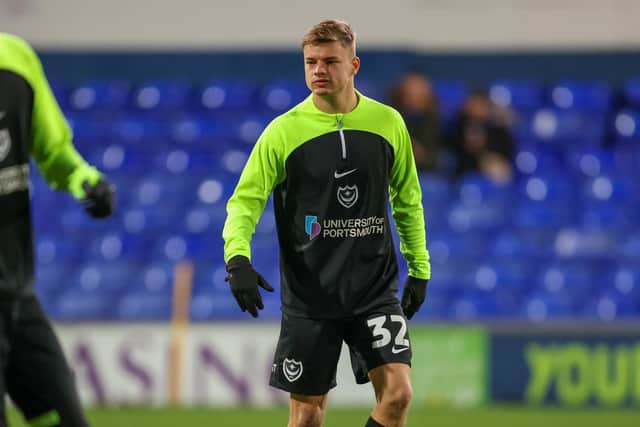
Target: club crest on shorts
(292, 369)
(347, 195)
(5, 143)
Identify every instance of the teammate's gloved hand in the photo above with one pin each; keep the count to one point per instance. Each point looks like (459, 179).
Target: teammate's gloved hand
(99, 201)
(413, 295)
(244, 281)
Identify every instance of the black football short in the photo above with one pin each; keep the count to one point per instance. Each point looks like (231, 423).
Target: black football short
(35, 373)
(308, 350)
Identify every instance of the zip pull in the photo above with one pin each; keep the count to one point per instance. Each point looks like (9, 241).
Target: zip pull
(342, 140)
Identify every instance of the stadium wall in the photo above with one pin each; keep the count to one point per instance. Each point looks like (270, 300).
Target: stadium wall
(229, 364)
(416, 24)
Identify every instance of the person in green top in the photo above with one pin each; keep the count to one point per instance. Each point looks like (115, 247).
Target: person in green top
(35, 373)
(332, 162)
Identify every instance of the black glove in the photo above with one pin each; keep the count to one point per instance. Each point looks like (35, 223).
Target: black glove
(413, 295)
(244, 281)
(99, 201)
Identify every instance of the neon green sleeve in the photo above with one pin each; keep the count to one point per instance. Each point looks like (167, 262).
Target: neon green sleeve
(52, 149)
(405, 196)
(263, 171)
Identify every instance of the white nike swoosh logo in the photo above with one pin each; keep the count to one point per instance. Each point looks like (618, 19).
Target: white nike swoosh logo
(395, 350)
(337, 174)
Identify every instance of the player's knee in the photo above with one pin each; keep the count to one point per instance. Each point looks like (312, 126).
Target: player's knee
(398, 399)
(308, 416)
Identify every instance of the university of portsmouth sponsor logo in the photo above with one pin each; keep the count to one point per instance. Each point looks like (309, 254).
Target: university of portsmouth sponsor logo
(292, 369)
(347, 195)
(5, 143)
(312, 226)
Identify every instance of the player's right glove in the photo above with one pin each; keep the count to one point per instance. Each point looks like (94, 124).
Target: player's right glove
(413, 295)
(244, 281)
(99, 198)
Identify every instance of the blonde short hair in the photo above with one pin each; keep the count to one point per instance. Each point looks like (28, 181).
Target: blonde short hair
(331, 31)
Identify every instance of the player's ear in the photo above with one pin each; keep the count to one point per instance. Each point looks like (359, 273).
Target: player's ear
(355, 62)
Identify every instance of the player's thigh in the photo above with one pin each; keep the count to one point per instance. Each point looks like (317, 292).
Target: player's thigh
(378, 338)
(392, 381)
(39, 380)
(306, 356)
(305, 408)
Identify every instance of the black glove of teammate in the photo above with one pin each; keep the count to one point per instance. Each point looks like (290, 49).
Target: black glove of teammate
(244, 281)
(99, 201)
(413, 295)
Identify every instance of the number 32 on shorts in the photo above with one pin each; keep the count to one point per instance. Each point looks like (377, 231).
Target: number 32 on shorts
(382, 334)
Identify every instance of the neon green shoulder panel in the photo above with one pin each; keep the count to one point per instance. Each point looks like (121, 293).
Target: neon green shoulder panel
(57, 159)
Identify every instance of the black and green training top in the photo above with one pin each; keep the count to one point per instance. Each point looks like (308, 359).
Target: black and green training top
(31, 124)
(332, 175)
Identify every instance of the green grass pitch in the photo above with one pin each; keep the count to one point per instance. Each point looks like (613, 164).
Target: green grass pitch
(249, 417)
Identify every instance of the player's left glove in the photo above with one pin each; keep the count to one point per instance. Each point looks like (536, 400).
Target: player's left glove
(99, 198)
(413, 295)
(244, 281)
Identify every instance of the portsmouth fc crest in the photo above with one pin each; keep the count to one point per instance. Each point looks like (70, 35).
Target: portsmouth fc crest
(5, 143)
(292, 369)
(347, 195)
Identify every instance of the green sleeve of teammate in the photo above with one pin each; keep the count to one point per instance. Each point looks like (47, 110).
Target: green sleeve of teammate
(406, 206)
(52, 148)
(263, 171)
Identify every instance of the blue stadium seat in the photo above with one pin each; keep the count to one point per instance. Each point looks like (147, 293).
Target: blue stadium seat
(568, 283)
(631, 91)
(586, 244)
(93, 290)
(280, 95)
(161, 95)
(609, 306)
(235, 95)
(531, 159)
(473, 308)
(592, 162)
(200, 130)
(111, 158)
(630, 246)
(624, 280)
(89, 129)
(247, 128)
(581, 95)
(522, 95)
(531, 245)
(99, 95)
(150, 296)
(626, 126)
(564, 128)
(138, 129)
(451, 95)
(543, 305)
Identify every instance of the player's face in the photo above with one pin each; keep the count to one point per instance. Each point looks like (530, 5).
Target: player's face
(329, 68)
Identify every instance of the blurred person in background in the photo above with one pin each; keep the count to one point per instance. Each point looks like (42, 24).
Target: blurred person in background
(35, 373)
(481, 140)
(414, 98)
(332, 163)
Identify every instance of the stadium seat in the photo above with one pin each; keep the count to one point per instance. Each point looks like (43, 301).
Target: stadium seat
(451, 95)
(281, 95)
(161, 95)
(234, 95)
(149, 295)
(626, 126)
(99, 95)
(560, 128)
(521, 95)
(631, 91)
(581, 95)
